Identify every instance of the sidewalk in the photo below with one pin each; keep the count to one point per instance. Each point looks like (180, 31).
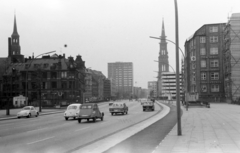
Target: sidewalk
(13, 112)
(205, 130)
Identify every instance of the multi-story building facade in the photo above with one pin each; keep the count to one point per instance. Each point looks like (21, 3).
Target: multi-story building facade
(203, 65)
(107, 89)
(153, 88)
(51, 80)
(231, 52)
(122, 73)
(113, 88)
(169, 85)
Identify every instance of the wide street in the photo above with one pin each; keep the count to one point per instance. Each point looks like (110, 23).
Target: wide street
(51, 133)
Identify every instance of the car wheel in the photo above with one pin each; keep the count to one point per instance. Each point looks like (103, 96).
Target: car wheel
(74, 118)
(88, 120)
(112, 113)
(29, 115)
(66, 118)
(144, 110)
(37, 115)
(94, 119)
(102, 118)
(79, 120)
(18, 117)
(126, 112)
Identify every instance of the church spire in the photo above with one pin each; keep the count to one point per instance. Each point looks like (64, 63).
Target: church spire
(163, 31)
(15, 27)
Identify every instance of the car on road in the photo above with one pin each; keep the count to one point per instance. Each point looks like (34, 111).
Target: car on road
(118, 107)
(148, 105)
(72, 111)
(90, 111)
(28, 111)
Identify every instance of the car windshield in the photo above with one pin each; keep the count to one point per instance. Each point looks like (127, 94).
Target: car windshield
(71, 107)
(86, 107)
(147, 103)
(26, 108)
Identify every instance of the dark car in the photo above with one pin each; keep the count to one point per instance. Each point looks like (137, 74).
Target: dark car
(90, 111)
(118, 108)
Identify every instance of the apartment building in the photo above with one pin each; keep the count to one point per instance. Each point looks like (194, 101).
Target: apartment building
(203, 65)
(122, 73)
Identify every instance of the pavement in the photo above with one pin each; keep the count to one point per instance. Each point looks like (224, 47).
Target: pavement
(205, 130)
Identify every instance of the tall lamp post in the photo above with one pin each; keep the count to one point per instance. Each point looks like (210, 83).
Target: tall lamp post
(179, 130)
(40, 107)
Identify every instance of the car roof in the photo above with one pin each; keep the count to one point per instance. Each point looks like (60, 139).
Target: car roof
(75, 104)
(89, 104)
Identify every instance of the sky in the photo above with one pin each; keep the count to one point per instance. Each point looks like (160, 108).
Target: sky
(105, 31)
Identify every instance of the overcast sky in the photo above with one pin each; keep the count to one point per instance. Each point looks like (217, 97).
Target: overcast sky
(104, 31)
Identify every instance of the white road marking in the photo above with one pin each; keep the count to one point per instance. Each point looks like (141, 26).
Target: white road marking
(40, 140)
(36, 129)
(82, 129)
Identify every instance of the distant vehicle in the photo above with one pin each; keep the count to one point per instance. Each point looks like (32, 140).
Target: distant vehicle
(28, 111)
(72, 111)
(90, 111)
(148, 105)
(118, 108)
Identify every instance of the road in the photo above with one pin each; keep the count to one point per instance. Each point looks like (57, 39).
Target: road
(51, 133)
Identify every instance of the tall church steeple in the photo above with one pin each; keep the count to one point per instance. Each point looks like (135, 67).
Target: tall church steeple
(163, 65)
(14, 51)
(15, 48)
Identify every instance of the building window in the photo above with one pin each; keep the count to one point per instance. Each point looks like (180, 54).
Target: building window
(202, 39)
(203, 63)
(64, 84)
(14, 53)
(214, 76)
(215, 88)
(214, 63)
(203, 51)
(45, 65)
(213, 39)
(54, 75)
(213, 29)
(204, 88)
(213, 50)
(44, 75)
(54, 84)
(64, 74)
(203, 76)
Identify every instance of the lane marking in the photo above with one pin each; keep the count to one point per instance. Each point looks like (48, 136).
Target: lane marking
(40, 140)
(37, 129)
(82, 129)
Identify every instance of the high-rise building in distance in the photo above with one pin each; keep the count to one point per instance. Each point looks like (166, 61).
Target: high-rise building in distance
(122, 73)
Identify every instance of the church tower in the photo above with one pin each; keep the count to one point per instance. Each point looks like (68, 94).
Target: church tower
(163, 64)
(14, 51)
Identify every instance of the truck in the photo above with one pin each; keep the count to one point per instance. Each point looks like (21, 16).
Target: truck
(148, 105)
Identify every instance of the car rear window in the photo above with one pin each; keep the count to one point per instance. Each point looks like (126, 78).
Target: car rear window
(72, 107)
(117, 105)
(86, 107)
(26, 108)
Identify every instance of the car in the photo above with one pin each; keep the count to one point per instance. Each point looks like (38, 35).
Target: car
(148, 105)
(72, 111)
(118, 107)
(28, 111)
(90, 111)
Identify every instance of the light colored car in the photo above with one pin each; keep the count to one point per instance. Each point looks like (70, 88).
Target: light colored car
(28, 111)
(118, 108)
(72, 111)
(148, 105)
(90, 111)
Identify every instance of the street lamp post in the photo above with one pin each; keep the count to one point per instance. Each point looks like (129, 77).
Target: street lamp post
(177, 67)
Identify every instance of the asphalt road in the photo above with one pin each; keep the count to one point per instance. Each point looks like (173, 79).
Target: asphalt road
(146, 140)
(51, 133)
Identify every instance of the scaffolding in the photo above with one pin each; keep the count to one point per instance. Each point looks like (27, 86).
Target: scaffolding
(232, 59)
